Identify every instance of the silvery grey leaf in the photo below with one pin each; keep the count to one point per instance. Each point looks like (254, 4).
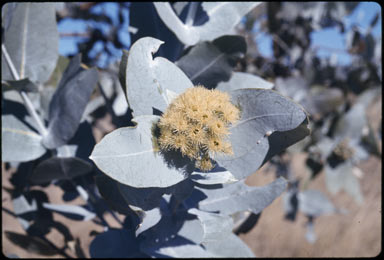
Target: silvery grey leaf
(216, 226)
(68, 103)
(351, 124)
(238, 196)
(174, 230)
(32, 52)
(209, 63)
(56, 168)
(269, 123)
(341, 178)
(150, 218)
(242, 80)
(314, 203)
(213, 177)
(128, 155)
(223, 16)
(228, 246)
(18, 141)
(180, 248)
(147, 79)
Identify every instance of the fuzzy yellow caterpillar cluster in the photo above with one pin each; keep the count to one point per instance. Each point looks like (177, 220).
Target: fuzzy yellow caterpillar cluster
(196, 123)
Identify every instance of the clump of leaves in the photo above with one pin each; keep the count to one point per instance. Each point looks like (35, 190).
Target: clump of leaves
(196, 123)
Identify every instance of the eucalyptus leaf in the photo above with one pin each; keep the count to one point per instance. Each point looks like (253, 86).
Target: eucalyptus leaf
(179, 247)
(209, 63)
(179, 228)
(18, 141)
(213, 177)
(128, 155)
(223, 16)
(154, 27)
(229, 245)
(56, 168)
(216, 226)
(68, 103)
(150, 218)
(342, 178)
(351, 124)
(34, 54)
(314, 203)
(148, 79)
(269, 123)
(238, 196)
(242, 80)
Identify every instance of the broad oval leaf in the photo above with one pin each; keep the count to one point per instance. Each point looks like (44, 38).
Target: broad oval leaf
(56, 168)
(148, 79)
(239, 197)
(33, 53)
(242, 80)
(209, 63)
(315, 203)
(68, 103)
(269, 123)
(18, 141)
(216, 226)
(342, 178)
(128, 156)
(229, 245)
(223, 16)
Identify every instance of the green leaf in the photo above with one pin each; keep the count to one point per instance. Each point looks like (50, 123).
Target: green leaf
(32, 41)
(18, 141)
(269, 123)
(148, 79)
(128, 155)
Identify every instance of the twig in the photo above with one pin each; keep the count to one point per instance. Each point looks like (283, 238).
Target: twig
(191, 13)
(42, 129)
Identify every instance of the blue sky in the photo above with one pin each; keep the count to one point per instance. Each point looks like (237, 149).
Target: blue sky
(330, 38)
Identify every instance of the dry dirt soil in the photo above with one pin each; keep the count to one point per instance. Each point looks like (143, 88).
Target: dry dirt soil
(357, 234)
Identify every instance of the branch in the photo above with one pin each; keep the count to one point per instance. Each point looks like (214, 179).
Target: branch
(41, 128)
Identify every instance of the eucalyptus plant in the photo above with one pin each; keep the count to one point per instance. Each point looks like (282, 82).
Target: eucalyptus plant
(189, 128)
(177, 148)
